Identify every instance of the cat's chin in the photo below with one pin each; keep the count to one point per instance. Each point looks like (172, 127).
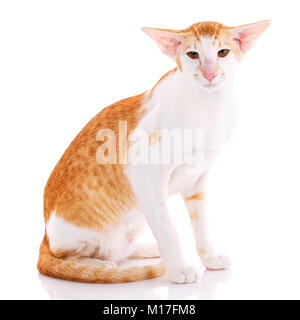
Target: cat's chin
(211, 87)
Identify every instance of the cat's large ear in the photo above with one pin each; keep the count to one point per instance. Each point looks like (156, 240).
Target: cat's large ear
(168, 41)
(247, 35)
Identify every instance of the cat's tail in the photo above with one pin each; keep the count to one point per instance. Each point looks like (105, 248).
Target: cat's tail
(63, 268)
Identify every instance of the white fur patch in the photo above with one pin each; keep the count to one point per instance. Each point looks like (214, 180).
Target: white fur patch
(115, 245)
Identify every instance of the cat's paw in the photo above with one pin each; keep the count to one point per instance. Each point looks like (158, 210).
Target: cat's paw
(187, 274)
(216, 262)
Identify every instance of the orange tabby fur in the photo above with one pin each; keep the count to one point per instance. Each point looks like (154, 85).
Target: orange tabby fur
(73, 187)
(73, 191)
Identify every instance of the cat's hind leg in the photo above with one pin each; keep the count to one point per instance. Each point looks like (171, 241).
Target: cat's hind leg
(68, 240)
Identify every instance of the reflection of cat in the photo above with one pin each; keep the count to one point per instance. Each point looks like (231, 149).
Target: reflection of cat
(94, 211)
(155, 289)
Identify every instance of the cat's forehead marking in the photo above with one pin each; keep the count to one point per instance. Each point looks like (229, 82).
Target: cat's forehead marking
(205, 29)
(201, 32)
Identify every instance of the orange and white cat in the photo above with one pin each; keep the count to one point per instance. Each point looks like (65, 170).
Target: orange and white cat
(94, 212)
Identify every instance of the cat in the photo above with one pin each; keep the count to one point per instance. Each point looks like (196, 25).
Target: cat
(95, 211)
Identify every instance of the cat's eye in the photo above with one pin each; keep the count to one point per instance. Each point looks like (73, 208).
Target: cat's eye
(193, 54)
(223, 53)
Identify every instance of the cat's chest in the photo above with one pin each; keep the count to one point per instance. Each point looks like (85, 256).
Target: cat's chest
(216, 122)
(213, 119)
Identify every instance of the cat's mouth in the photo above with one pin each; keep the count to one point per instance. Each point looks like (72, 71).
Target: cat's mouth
(210, 86)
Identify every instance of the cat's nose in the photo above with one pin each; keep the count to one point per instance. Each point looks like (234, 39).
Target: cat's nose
(209, 76)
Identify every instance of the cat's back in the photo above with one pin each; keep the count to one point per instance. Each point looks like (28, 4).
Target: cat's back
(78, 177)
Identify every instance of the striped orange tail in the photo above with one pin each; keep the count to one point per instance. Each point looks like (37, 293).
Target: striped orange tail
(63, 268)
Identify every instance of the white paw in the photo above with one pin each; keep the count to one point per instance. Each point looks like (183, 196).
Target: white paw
(186, 274)
(216, 262)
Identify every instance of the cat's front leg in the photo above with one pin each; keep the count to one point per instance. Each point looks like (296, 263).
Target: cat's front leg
(159, 221)
(195, 203)
(150, 187)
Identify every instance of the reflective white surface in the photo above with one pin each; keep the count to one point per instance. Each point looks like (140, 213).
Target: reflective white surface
(159, 288)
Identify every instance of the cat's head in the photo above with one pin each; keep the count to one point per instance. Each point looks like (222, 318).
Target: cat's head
(207, 53)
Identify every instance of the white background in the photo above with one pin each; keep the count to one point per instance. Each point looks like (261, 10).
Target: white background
(61, 62)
